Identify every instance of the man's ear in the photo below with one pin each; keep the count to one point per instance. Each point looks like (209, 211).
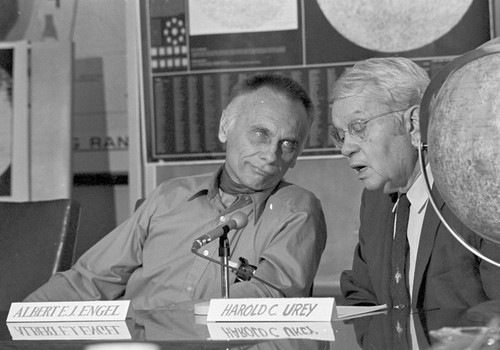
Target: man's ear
(413, 123)
(224, 126)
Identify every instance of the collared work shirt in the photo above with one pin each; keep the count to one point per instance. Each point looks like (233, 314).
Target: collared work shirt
(148, 258)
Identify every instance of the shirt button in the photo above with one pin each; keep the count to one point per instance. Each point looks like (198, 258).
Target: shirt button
(222, 219)
(205, 252)
(189, 289)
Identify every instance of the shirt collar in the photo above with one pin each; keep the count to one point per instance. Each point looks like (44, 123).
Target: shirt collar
(210, 187)
(417, 194)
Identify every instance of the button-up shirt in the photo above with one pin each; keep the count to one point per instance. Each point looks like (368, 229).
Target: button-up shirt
(418, 197)
(148, 259)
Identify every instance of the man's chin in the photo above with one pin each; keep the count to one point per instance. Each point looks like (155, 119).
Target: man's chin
(373, 185)
(389, 187)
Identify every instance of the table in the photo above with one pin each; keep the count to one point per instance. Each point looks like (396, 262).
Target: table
(176, 327)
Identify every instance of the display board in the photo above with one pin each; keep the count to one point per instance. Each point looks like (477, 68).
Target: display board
(194, 51)
(14, 143)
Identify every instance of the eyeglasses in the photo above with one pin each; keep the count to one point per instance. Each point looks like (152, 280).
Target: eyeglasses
(356, 128)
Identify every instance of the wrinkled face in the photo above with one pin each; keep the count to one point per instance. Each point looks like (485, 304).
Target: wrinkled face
(264, 133)
(386, 158)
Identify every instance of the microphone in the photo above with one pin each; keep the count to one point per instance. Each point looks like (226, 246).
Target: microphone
(236, 221)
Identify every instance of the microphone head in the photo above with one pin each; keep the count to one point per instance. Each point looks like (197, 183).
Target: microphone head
(240, 220)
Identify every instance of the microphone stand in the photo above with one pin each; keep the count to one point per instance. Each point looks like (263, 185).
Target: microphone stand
(224, 257)
(244, 272)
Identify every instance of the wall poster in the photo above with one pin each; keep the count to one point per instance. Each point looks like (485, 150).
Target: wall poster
(194, 51)
(14, 146)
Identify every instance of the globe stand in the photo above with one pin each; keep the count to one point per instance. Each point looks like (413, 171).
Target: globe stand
(421, 148)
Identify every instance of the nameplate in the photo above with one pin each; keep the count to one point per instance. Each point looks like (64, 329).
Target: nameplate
(272, 310)
(271, 330)
(70, 311)
(108, 330)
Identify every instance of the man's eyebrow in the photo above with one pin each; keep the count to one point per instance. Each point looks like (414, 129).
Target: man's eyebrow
(358, 115)
(260, 127)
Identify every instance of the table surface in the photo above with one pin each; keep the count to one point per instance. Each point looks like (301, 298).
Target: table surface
(176, 327)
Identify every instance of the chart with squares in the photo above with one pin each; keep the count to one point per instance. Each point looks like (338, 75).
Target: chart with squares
(169, 52)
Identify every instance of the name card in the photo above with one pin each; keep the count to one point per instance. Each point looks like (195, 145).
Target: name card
(70, 311)
(271, 330)
(272, 310)
(109, 330)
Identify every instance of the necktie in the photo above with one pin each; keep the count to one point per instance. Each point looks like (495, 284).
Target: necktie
(400, 248)
(400, 330)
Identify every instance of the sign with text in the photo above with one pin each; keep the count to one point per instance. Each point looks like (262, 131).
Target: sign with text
(271, 330)
(272, 310)
(70, 311)
(107, 330)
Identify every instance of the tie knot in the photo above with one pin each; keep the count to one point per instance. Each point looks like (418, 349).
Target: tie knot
(403, 201)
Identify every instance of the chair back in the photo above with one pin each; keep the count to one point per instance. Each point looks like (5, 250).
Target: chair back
(138, 203)
(37, 239)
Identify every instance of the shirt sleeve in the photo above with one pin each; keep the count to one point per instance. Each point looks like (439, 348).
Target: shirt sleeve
(103, 271)
(290, 261)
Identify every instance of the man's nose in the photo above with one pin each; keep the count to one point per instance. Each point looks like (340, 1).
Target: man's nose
(269, 152)
(349, 146)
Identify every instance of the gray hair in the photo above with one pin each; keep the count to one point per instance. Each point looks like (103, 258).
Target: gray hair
(396, 82)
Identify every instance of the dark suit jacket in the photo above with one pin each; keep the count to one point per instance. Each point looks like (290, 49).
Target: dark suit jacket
(380, 332)
(447, 275)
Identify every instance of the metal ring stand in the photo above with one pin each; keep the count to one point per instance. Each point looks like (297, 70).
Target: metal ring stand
(421, 148)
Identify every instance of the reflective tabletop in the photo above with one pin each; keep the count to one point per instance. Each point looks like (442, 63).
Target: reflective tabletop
(177, 327)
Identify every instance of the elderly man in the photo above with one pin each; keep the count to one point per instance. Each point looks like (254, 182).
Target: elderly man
(148, 258)
(405, 256)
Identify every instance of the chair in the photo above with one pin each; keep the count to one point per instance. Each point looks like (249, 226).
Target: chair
(37, 239)
(138, 203)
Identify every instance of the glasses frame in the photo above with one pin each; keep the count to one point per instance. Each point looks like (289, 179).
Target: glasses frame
(338, 135)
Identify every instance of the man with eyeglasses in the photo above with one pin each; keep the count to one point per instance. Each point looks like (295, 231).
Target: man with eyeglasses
(375, 115)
